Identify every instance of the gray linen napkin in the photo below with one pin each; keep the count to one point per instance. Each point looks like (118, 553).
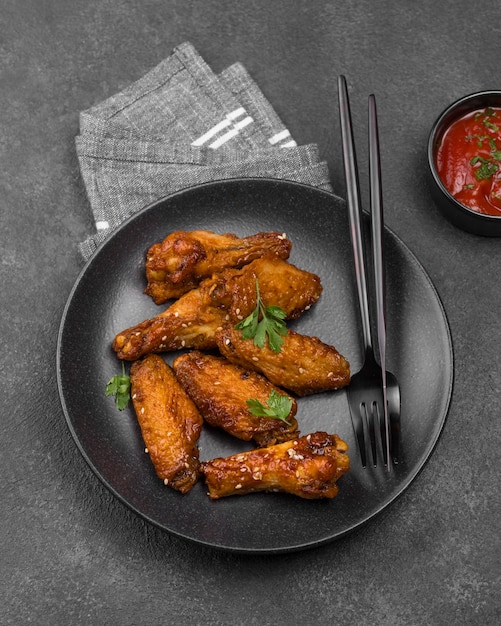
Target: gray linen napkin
(179, 126)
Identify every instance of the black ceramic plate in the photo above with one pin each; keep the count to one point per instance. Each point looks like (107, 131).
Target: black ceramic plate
(108, 297)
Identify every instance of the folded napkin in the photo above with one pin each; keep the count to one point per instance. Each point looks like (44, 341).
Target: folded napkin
(179, 126)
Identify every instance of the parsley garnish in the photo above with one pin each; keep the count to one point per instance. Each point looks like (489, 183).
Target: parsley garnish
(487, 168)
(480, 139)
(277, 406)
(490, 125)
(271, 323)
(119, 386)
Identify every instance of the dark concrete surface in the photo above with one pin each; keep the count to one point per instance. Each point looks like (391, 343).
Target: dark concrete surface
(70, 553)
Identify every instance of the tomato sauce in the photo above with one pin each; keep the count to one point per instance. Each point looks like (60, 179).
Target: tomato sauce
(468, 160)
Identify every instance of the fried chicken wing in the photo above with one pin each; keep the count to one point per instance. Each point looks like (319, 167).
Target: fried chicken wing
(304, 365)
(189, 322)
(220, 391)
(170, 422)
(280, 283)
(184, 258)
(308, 467)
(193, 319)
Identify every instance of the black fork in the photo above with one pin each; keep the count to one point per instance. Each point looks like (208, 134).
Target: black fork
(374, 392)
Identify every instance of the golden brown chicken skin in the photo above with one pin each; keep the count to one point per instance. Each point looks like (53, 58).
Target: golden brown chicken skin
(193, 320)
(304, 365)
(308, 467)
(185, 258)
(280, 283)
(220, 391)
(170, 422)
(190, 322)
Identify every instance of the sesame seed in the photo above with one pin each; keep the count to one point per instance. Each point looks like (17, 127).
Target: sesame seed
(142, 410)
(239, 486)
(176, 314)
(255, 358)
(146, 450)
(166, 481)
(164, 338)
(217, 382)
(302, 370)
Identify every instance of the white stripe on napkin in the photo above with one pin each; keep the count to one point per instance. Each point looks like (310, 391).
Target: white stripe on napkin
(210, 133)
(283, 134)
(243, 123)
(224, 138)
(229, 120)
(236, 113)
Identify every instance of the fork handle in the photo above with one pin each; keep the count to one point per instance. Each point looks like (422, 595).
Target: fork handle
(354, 209)
(376, 203)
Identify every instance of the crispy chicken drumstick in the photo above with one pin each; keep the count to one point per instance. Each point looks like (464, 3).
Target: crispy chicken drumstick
(183, 259)
(220, 391)
(308, 467)
(192, 321)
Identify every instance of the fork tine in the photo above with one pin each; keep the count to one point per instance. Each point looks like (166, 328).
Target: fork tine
(394, 414)
(373, 418)
(358, 426)
(383, 434)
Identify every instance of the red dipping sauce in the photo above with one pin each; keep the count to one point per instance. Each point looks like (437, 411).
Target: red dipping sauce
(468, 160)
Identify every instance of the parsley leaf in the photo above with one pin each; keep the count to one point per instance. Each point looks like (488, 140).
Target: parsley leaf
(488, 124)
(277, 406)
(487, 168)
(263, 321)
(119, 386)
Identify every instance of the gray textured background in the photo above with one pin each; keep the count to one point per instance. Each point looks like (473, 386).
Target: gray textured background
(69, 552)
